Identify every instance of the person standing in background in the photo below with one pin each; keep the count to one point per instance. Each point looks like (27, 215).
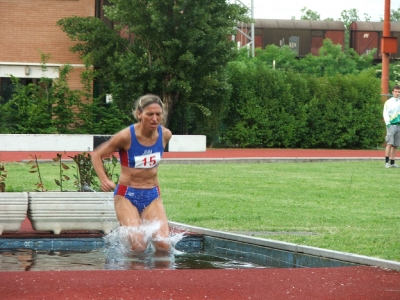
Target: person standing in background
(391, 115)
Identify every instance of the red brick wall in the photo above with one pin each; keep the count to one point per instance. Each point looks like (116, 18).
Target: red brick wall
(27, 26)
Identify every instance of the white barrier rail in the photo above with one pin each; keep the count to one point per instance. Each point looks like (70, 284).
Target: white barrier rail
(187, 143)
(86, 142)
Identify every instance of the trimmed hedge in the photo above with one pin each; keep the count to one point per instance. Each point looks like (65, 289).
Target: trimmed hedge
(274, 108)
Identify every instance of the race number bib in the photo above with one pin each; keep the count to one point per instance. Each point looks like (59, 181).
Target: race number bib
(147, 161)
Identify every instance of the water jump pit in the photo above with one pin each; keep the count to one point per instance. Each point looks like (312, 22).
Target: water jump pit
(192, 251)
(194, 248)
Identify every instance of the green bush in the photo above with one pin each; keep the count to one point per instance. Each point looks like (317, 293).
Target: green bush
(266, 108)
(345, 112)
(50, 106)
(285, 108)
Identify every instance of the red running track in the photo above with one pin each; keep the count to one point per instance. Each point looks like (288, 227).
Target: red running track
(347, 283)
(9, 156)
(363, 283)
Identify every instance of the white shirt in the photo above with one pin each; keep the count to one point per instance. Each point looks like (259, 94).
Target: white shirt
(391, 111)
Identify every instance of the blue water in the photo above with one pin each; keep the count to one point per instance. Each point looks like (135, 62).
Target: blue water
(190, 252)
(95, 254)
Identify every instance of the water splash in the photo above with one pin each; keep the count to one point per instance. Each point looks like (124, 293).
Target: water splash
(118, 251)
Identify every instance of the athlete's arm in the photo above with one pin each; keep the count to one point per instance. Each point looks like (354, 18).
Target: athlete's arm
(119, 141)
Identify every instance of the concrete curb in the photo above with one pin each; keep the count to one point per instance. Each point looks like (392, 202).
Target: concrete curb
(241, 160)
(261, 160)
(343, 256)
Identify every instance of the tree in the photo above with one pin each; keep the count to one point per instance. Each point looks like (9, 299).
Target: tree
(100, 47)
(308, 14)
(176, 49)
(351, 15)
(330, 61)
(51, 106)
(279, 57)
(394, 15)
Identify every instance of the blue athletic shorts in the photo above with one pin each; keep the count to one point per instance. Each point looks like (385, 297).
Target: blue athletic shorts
(140, 198)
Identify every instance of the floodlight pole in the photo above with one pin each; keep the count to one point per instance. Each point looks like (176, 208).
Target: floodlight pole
(251, 37)
(252, 28)
(385, 55)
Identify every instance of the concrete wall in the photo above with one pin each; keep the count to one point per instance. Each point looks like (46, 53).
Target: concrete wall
(187, 143)
(86, 142)
(46, 142)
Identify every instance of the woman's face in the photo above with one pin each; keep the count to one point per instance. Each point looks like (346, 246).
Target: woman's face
(151, 116)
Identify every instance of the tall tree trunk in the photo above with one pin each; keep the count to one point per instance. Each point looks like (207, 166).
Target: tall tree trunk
(169, 100)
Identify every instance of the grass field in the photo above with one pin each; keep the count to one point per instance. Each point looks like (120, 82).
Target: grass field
(344, 206)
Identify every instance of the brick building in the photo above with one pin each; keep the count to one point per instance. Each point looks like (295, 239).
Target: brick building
(27, 28)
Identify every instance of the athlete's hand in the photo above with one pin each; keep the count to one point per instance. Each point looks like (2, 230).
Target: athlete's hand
(107, 186)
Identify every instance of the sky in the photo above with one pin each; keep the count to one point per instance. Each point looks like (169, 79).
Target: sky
(286, 9)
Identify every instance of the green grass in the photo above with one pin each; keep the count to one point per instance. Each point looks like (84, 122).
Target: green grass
(19, 179)
(344, 206)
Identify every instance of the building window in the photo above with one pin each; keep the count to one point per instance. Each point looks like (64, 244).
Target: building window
(99, 12)
(7, 87)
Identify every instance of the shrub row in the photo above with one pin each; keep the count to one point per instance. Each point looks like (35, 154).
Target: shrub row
(266, 108)
(274, 108)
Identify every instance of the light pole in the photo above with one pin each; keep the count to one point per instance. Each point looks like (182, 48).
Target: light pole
(388, 45)
(245, 34)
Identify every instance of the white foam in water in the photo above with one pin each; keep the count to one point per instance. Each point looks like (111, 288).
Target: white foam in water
(118, 249)
(120, 256)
